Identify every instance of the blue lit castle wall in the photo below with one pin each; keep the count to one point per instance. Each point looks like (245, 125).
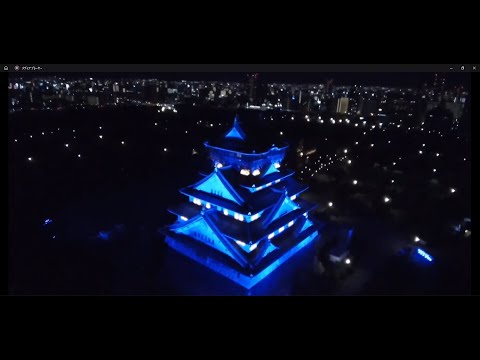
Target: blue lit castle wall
(245, 218)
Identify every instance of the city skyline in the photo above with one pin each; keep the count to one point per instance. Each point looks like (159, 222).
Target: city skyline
(404, 79)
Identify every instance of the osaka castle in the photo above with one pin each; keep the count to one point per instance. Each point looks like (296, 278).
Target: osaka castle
(245, 218)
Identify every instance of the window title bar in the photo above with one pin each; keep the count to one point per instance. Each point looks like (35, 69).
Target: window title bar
(152, 68)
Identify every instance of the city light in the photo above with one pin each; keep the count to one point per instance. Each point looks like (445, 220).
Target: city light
(79, 155)
(416, 239)
(386, 199)
(164, 149)
(452, 190)
(30, 159)
(355, 182)
(425, 255)
(330, 204)
(347, 261)
(100, 136)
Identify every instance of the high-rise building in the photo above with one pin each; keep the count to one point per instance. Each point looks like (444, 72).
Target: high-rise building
(252, 87)
(342, 105)
(245, 218)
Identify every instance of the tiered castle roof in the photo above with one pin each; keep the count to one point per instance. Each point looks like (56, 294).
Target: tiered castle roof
(246, 214)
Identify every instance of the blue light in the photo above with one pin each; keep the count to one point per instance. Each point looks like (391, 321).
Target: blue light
(425, 255)
(241, 279)
(48, 221)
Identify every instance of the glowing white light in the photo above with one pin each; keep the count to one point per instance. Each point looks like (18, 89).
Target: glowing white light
(434, 170)
(186, 131)
(43, 133)
(164, 149)
(100, 127)
(394, 163)
(256, 172)
(281, 132)
(301, 154)
(437, 154)
(420, 152)
(207, 205)
(271, 236)
(330, 204)
(349, 162)
(16, 140)
(386, 199)
(245, 172)
(219, 165)
(100, 136)
(241, 243)
(416, 239)
(355, 182)
(356, 142)
(277, 165)
(79, 155)
(183, 218)
(255, 217)
(293, 197)
(197, 201)
(29, 159)
(393, 181)
(31, 136)
(123, 142)
(452, 190)
(290, 223)
(156, 124)
(356, 125)
(225, 212)
(347, 261)
(345, 151)
(253, 247)
(371, 145)
(281, 229)
(235, 215)
(423, 145)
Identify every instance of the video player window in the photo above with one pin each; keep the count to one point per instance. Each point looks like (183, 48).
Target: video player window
(239, 180)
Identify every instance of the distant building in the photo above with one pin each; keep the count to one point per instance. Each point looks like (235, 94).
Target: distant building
(342, 105)
(93, 100)
(455, 108)
(369, 107)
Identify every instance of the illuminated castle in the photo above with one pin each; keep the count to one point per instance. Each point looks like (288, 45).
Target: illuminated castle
(245, 218)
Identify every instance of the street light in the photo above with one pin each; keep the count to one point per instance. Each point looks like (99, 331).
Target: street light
(347, 261)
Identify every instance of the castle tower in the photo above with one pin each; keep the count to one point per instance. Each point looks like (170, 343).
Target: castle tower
(245, 218)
